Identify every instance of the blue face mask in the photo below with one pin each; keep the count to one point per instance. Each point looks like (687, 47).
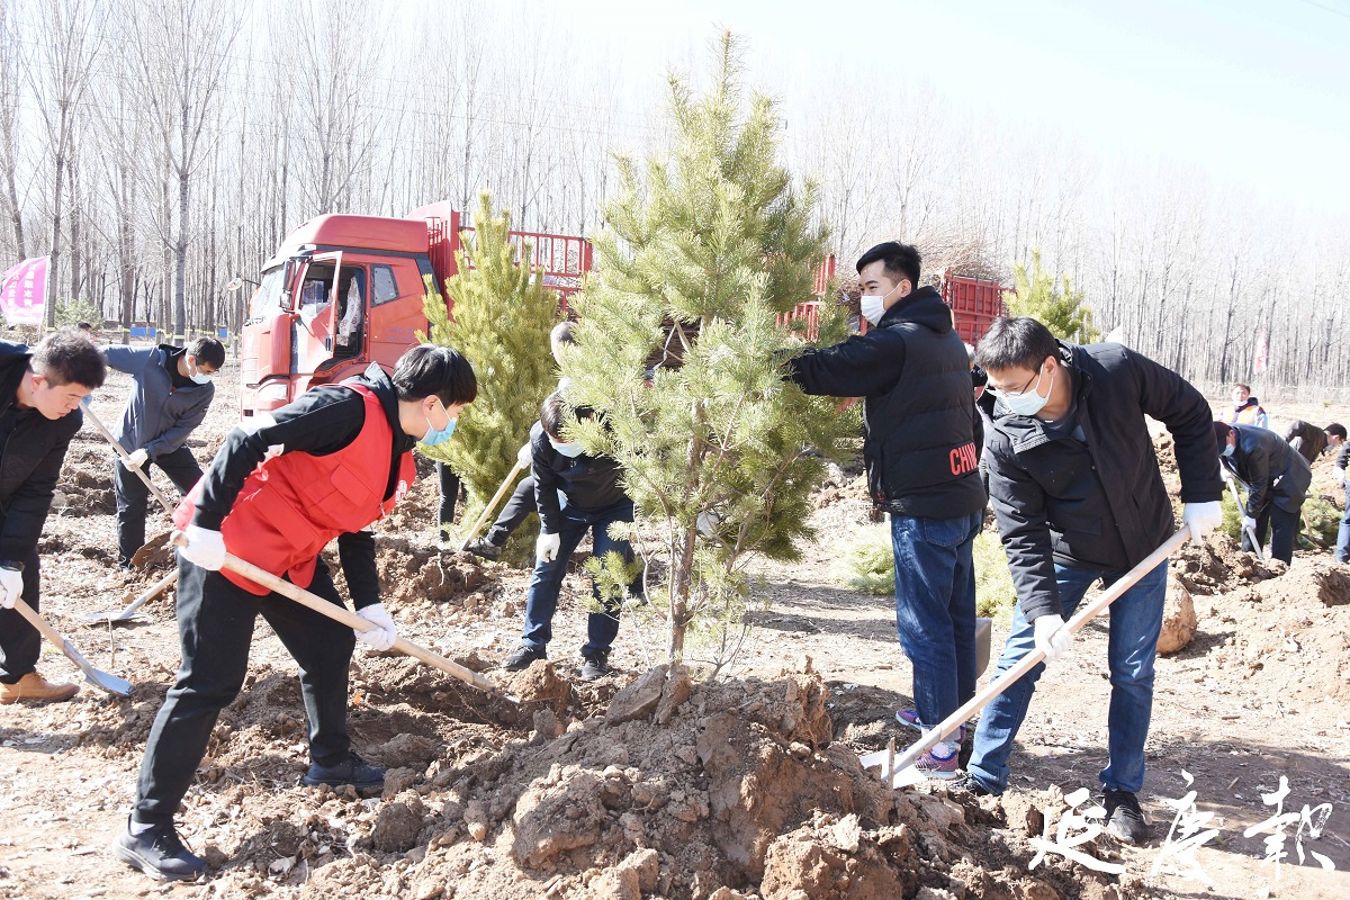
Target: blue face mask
(1228, 450)
(438, 436)
(571, 451)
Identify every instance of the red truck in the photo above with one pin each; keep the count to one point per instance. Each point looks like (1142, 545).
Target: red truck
(345, 291)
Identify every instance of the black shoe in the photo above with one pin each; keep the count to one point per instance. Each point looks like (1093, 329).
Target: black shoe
(353, 770)
(158, 853)
(1124, 818)
(522, 658)
(965, 783)
(484, 548)
(596, 666)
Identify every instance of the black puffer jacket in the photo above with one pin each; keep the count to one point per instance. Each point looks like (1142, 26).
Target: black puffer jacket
(1273, 471)
(590, 483)
(1098, 501)
(32, 449)
(913, 374)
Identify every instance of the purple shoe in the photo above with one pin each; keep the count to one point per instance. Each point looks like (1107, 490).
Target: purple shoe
(908, 718)
(931, 765)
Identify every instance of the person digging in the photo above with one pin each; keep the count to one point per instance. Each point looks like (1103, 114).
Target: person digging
(1276, 477)
(40, 394)
(1079, 498)
(575, 493)
(331, 463)
(171, 395)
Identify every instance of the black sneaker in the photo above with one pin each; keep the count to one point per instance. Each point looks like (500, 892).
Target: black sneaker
(158, 853)
(485, 548)
(353, 770)
(596, 666)
(522, 658)
(965, 783)
(1124, 818)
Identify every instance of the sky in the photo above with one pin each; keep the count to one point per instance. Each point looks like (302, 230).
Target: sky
(1252, 94)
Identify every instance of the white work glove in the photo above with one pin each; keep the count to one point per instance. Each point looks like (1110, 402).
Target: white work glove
(383, 635)
(546, 547)
(205, 547)
(1249, 524)
(525, 456)
(136, 458)
(11, 587)
(1051, 636)
(1202, 518)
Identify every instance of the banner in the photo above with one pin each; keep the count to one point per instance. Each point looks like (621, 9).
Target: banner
(1262, 352)
(23, 292)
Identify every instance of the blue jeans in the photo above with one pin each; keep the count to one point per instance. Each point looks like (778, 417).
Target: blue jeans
(601, 627)
(1136, 619)
(935, 609)
(1343, 533)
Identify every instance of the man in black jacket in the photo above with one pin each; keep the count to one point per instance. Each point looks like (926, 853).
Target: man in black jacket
(913, 374)
(595, 500)
(40, 394)
(1276, 477)
(1310, 441)
(1078, 496)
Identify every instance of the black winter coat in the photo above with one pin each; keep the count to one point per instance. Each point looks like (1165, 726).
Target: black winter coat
(1099, 501)
(1311, 439)
(1273, 471)
(912, 372)
(590, 483)
(32, 449)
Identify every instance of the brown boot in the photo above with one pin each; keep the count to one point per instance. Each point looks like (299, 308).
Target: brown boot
(34, 687)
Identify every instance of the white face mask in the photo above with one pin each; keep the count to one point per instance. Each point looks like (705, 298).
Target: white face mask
(1028, 402)
(873, 306)
(197, 375)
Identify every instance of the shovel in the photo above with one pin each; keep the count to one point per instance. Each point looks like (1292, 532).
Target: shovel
(118, 687)
(128, 613)
(348, 618)
(901, 772)
(1251, 534)
(492, 504)
(123, 455)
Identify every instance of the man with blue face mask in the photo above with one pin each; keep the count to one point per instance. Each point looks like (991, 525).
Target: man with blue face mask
(325, 467)
(592, 489)
(1078, 496)
(169, 399)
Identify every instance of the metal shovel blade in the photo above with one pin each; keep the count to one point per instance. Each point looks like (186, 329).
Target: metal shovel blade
(118, 687)
(114, 618)
(905, 777)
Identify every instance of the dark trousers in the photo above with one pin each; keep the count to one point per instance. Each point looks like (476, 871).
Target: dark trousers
(133, 496)
(516, 510)
(215, 625)
(542, 600)
(1283, 527)
(449, 482)
(20, 642)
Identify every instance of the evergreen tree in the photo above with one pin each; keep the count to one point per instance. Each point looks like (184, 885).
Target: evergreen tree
(501, 318)
(1057, 306)
(714, 237)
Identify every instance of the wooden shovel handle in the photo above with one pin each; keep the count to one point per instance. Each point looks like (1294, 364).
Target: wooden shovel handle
(40, 624)
(492, 504)
(124, 455)
(345, 616)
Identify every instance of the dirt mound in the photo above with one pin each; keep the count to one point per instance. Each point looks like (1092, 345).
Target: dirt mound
(1219, 565)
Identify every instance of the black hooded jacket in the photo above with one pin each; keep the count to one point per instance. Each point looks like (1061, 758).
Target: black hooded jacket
(32, 449)
(913, 374)
(1090, 493)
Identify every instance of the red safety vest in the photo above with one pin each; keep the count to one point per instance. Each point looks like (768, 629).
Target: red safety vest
(292, 505)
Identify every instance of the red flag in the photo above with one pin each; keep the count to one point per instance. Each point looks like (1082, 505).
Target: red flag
(23, 291)
(1262, 352)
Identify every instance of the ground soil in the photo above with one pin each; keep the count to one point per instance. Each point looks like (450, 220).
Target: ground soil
(658, 781)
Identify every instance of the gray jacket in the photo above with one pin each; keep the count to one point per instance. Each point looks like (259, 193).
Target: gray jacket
(158, 417)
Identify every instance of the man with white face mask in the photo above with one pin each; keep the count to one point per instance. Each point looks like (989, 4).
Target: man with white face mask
(169, 400)
(1078, 496)
(913, 374)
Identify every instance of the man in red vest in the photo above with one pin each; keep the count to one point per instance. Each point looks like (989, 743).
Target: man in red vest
(331, 463)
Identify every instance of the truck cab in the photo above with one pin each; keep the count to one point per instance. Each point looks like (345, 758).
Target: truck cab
(344, 291)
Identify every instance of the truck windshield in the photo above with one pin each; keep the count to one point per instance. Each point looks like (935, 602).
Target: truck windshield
(268, 295)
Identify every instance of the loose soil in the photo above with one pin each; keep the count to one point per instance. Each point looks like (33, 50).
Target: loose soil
(659, 781)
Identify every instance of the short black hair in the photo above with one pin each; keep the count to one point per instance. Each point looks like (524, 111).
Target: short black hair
(208, 351)
(1221, 432)
(1015, 341)
(69, 357)
(428, 370)
(1337, 429)
(900, 260)
(553, 414)
(1243, 387)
